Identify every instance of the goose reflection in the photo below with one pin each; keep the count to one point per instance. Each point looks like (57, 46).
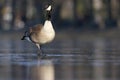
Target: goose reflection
(44, 70)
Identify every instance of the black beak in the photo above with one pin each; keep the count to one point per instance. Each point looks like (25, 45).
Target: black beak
(23, 38)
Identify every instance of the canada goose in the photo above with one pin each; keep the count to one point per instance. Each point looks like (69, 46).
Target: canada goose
(41, 34)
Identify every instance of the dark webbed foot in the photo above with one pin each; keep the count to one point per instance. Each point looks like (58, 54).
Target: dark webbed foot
(42, 55)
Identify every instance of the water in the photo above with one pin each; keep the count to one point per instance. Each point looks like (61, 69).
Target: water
(67, 59)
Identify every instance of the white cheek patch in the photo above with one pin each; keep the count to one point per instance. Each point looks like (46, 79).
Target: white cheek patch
(49, 8)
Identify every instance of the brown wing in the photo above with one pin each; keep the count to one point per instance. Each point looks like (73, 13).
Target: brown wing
(36, 28)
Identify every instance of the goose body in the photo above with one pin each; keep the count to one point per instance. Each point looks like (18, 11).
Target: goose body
(41, 34)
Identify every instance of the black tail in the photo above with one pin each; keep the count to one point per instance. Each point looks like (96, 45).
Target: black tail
(23, 38)
(25, 34)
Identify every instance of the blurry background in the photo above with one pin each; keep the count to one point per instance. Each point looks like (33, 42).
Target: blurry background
(86, 46)
(75, 14)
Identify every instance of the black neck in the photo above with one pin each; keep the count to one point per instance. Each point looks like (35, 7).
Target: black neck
(48, 15)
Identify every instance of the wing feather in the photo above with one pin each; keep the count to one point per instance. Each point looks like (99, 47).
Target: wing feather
(36, 28)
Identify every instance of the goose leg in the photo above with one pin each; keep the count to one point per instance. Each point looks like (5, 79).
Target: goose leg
(39, 51)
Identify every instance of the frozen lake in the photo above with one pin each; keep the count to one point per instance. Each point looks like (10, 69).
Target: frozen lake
(67, 59)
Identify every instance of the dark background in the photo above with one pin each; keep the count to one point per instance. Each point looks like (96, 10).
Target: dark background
(67, 14)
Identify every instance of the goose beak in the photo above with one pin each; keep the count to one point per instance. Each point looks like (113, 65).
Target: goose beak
(49, 8)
